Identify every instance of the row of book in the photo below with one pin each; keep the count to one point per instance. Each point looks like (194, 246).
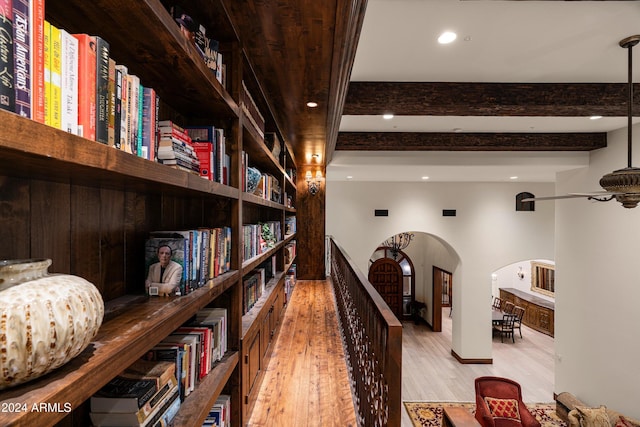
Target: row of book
(290, 252)
(199, 255)
(150, 391)
(196, 33)
(253, 286)
(258, 238)
(290, 225)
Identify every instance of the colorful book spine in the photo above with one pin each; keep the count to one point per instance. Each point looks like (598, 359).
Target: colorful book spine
(111, 113)
(36, 16)
(149, 121)
(7, 90)
(86, 86)
(56, 81)
(47, 72)
(102, 90)
(118, 109)
(124, 108)
(22, 57)
(69, 83)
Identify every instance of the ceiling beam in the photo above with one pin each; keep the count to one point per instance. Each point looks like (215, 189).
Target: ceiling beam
(489, 99)
(435, 141)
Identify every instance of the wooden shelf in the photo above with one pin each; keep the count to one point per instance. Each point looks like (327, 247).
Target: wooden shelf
(69, 158)
(257, 200)
(249, 319)
(143, 36)
(120, 341)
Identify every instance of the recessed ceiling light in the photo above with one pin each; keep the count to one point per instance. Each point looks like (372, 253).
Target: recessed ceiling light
(595, 117)
(513, 177)
(447, 37)
(312, 104)
(349, 177)
(387, 116)
(457, 130)
(424, 178)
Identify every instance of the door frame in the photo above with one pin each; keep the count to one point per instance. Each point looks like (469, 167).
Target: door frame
(436, 296)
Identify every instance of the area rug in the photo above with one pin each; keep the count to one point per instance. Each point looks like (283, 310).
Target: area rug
(429, 414)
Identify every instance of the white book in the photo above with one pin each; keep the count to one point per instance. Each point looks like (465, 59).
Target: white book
(69, 62)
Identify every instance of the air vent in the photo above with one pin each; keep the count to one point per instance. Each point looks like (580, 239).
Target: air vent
(448, 212)
(381, 212)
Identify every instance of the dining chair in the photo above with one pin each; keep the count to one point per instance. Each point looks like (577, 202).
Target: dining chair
(505, 328)
(517, 324)
(508, 307)
(497, 303)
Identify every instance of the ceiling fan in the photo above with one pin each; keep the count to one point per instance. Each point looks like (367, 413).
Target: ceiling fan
(622, 185)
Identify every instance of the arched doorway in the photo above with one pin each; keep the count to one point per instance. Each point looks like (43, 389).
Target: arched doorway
(385, 274)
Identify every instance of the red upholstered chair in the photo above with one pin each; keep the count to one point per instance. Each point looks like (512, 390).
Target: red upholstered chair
(499, 404)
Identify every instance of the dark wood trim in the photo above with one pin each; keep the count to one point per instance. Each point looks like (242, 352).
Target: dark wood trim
(488, 99)
(437, 141)
(471, 361)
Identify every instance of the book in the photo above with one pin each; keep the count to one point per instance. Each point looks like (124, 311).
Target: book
(166, 271)
(117, 121)
(22, 57)
(131, 394)
(36, 16)
(123, 404)
(47, 72)
(137, 419)
(69, 95)
(102, 89)
(160, 371)
(125, 143)
(172, 353)
(7, 89)
(55, 101)
(111, 110)
(86, 86)
(149, 123)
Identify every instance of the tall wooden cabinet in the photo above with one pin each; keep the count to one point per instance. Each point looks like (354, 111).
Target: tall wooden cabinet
(90, 207)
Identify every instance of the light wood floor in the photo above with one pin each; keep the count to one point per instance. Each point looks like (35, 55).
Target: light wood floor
(306, 381)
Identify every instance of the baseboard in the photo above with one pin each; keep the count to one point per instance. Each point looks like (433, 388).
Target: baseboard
(471, 361)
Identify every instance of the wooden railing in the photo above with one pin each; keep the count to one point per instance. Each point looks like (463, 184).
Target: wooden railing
(372, 339)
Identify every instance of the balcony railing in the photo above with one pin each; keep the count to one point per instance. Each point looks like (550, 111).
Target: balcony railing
(372, 339)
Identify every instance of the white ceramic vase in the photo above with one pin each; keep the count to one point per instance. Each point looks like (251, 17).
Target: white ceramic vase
(45, 319)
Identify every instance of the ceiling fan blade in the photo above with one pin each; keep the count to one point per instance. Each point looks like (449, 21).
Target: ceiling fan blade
(564, 196)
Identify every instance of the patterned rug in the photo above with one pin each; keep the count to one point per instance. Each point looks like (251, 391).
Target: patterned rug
(429, 414)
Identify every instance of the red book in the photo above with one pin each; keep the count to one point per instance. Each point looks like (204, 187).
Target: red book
(204, 151)
(86, 86)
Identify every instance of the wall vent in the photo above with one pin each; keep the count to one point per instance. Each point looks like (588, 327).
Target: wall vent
(448, 212)
(381, 212)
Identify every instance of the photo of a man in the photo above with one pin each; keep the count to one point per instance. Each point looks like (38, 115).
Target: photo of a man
(165, 275)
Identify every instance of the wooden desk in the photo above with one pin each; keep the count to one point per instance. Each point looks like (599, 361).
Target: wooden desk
(456, 416)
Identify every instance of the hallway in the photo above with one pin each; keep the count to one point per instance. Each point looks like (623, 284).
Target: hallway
(306, 381)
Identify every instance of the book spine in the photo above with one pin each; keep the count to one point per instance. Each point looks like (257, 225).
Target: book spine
(47, 72)
(111, 111)
(56, 82)
(124, 109)
(142, 152)
(118, 109)
(69, 83)
(22, 57)
(7, 90)
(102, 90)
(86, 86)
(37, 59)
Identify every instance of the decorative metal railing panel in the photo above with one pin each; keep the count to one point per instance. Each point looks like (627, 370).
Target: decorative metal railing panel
(372, 339)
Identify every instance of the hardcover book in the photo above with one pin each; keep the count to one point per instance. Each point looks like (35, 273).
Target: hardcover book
(86, 86)
(55, 105)
(69, 83)
(47, 72)
(22, 57)
(36, 16)
(7, 89)
(102, 90)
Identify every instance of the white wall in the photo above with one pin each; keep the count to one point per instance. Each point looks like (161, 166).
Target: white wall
(507, 277)
(486, 234)
(598, 296)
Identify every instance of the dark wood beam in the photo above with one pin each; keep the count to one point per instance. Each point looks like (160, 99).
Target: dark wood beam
(432, 141)
(489, 99)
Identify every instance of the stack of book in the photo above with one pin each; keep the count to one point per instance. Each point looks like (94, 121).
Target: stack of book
(290, 252)
(175, 148)
(144, 394)
(253, 287)
(251, 111)
(220, 413)
(290, 225)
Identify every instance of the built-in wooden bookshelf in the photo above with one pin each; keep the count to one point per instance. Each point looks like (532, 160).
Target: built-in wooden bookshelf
(89, 207)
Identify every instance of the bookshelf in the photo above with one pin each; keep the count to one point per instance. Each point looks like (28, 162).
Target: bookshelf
(89, 207)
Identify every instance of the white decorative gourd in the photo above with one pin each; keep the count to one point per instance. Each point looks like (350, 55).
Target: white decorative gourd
(45, 319)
